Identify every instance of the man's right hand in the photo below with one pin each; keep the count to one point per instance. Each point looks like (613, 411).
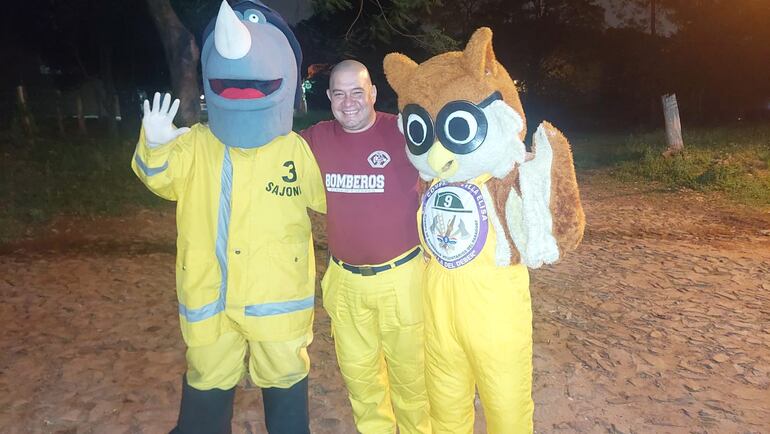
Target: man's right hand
(158, 121)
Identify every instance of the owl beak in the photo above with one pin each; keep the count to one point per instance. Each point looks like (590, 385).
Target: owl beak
(443, 162)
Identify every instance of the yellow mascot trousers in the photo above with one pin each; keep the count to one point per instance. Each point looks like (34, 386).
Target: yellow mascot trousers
(478, 332)
(221, 365)
(377, 322)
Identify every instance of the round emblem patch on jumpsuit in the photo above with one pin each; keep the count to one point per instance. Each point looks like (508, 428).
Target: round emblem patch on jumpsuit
(454, 223)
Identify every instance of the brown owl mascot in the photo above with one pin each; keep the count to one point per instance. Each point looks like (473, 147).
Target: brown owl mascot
(489, 211)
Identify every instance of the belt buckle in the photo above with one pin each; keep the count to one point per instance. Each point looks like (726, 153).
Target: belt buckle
(366, 271)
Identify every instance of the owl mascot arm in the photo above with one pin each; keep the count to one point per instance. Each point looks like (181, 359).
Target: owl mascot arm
(535, 194)
(545, 217)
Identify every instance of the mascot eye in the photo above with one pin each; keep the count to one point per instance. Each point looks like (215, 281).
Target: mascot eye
(254, 16)
(418, 129)
(460, 127)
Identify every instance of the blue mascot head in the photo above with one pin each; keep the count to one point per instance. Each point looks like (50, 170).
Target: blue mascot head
(250, 61)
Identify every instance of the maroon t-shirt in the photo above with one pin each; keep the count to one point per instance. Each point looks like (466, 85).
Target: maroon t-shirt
(371, 190)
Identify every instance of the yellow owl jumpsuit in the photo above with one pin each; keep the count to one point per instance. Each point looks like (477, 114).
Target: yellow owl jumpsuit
(478, 317)
(245, 267)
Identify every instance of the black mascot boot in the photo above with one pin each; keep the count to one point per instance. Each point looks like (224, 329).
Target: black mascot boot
(204, 411)
(286, 409)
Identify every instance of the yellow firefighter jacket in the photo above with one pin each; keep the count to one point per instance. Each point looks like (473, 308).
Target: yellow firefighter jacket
(244, 246)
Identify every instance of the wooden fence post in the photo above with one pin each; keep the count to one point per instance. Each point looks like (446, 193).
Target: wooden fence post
(116, 105)
(81, 118)
(673, 125)
(26, 116)
(116, 116)
(59, 114)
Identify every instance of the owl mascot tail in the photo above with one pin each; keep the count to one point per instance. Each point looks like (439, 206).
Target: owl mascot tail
(489, 211)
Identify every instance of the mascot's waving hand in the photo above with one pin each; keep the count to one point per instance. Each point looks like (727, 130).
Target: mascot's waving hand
(490, 211)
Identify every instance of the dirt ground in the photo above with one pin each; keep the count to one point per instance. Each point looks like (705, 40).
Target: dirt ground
(659, 323)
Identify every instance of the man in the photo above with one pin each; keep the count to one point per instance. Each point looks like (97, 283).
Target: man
(372, 288)
(245, 269)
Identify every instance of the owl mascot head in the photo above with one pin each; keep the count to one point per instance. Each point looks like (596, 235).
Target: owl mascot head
(462, 119)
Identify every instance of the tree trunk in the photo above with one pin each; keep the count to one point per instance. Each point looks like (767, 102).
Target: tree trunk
(182, 57)
(653, 17)
(673, 125)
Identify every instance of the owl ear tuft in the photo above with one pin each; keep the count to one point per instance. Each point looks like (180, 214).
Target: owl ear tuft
(398, 70)
(478, 54)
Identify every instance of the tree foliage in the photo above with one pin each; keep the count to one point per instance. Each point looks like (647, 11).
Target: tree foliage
(565, 55)
(568, 62)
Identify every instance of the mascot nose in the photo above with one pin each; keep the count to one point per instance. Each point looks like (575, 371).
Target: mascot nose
(442, 161)
(231, 37)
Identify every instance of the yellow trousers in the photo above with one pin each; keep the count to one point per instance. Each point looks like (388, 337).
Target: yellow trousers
(478, 333)
(221, 365)
(377, 323)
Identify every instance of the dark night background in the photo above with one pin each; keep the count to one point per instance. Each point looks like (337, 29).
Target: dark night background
(585, 74)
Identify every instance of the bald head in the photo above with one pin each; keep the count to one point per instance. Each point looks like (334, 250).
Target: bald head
(352, 67)
(352, 96)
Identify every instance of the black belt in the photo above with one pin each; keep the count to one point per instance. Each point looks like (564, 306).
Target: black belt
(371, 271)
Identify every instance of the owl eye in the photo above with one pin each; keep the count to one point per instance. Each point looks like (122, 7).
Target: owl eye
(418, 129)
(460, 127)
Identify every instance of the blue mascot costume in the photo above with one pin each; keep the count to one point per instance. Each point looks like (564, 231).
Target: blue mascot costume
(245, 269)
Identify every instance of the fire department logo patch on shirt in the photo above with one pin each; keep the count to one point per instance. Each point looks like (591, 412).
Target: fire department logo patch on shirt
(454, 223)
(378, 159)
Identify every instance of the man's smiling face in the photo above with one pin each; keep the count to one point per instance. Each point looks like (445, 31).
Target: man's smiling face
(352, 97)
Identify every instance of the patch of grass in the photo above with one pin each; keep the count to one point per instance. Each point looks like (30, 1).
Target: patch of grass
(597, 150)
(734, 160)
(48, 177)
(51, 176)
